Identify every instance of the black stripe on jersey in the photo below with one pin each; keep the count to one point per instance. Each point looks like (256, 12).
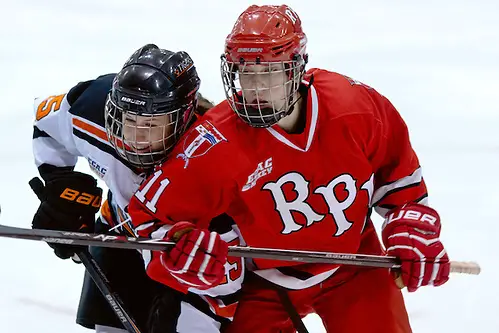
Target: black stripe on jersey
(114, 218)
(96, 143)
(197, 302)
(388, 206)
(421, 197)
(395, 190)
(231, 298)
(394, 181)
(300, 275)
(102, 146)
(368, 219)
(221, 224)
(38, 133)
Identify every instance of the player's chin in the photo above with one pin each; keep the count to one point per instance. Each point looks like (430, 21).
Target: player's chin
(145, 158)
(262, 117)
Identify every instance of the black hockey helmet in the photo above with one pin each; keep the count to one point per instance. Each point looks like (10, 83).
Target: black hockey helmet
(150, 104)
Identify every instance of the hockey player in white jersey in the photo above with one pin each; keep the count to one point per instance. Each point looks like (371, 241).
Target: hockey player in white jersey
(124, 125)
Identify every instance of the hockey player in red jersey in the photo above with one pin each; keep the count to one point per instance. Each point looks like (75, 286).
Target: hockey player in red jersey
(299, 159)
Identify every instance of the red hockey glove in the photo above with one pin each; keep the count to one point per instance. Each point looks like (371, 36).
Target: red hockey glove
(411, 233)
(198, 258)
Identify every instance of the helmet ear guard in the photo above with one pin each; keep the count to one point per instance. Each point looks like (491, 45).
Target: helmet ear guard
(150, 105)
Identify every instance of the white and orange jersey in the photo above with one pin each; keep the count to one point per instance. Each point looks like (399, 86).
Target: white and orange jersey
(72, 125)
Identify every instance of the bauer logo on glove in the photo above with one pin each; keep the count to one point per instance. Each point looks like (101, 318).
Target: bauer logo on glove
(83, 198)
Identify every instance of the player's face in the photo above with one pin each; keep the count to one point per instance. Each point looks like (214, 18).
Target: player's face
(147, 133)
(265, 85)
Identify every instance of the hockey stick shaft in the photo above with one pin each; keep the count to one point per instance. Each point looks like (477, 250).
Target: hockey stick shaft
(74, 238)
(104, 286)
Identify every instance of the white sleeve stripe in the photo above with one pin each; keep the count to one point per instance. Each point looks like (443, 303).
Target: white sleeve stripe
(146, 256)
(424, 201)
(290, 282)
(143, 226)
(161, 232)
(207, 257)
(384, 211)
(383, 191)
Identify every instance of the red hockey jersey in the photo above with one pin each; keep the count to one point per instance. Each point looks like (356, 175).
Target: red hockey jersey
(308, 191)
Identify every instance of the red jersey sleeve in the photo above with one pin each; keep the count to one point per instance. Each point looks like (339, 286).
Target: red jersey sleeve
(182, 189)
(397, 174)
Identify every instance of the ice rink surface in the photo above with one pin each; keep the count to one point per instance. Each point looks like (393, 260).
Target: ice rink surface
(436, 61)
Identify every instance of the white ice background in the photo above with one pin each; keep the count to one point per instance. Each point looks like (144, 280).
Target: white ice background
(437, 61)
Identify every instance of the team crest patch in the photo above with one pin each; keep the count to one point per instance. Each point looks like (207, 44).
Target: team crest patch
(199, 140)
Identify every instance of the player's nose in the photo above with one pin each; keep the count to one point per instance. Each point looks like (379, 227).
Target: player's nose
(258, 94)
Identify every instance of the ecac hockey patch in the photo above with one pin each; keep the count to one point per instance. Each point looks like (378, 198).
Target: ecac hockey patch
(99, 169)
(199, 140)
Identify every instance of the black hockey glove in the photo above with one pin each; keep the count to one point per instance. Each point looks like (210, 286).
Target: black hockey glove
(69, 202)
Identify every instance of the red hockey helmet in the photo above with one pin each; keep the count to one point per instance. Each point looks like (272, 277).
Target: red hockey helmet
(263, 64)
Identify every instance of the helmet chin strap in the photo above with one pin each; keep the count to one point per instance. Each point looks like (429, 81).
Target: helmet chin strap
(296, 127)
(300, 96)
(292, 105)
(291, 119)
